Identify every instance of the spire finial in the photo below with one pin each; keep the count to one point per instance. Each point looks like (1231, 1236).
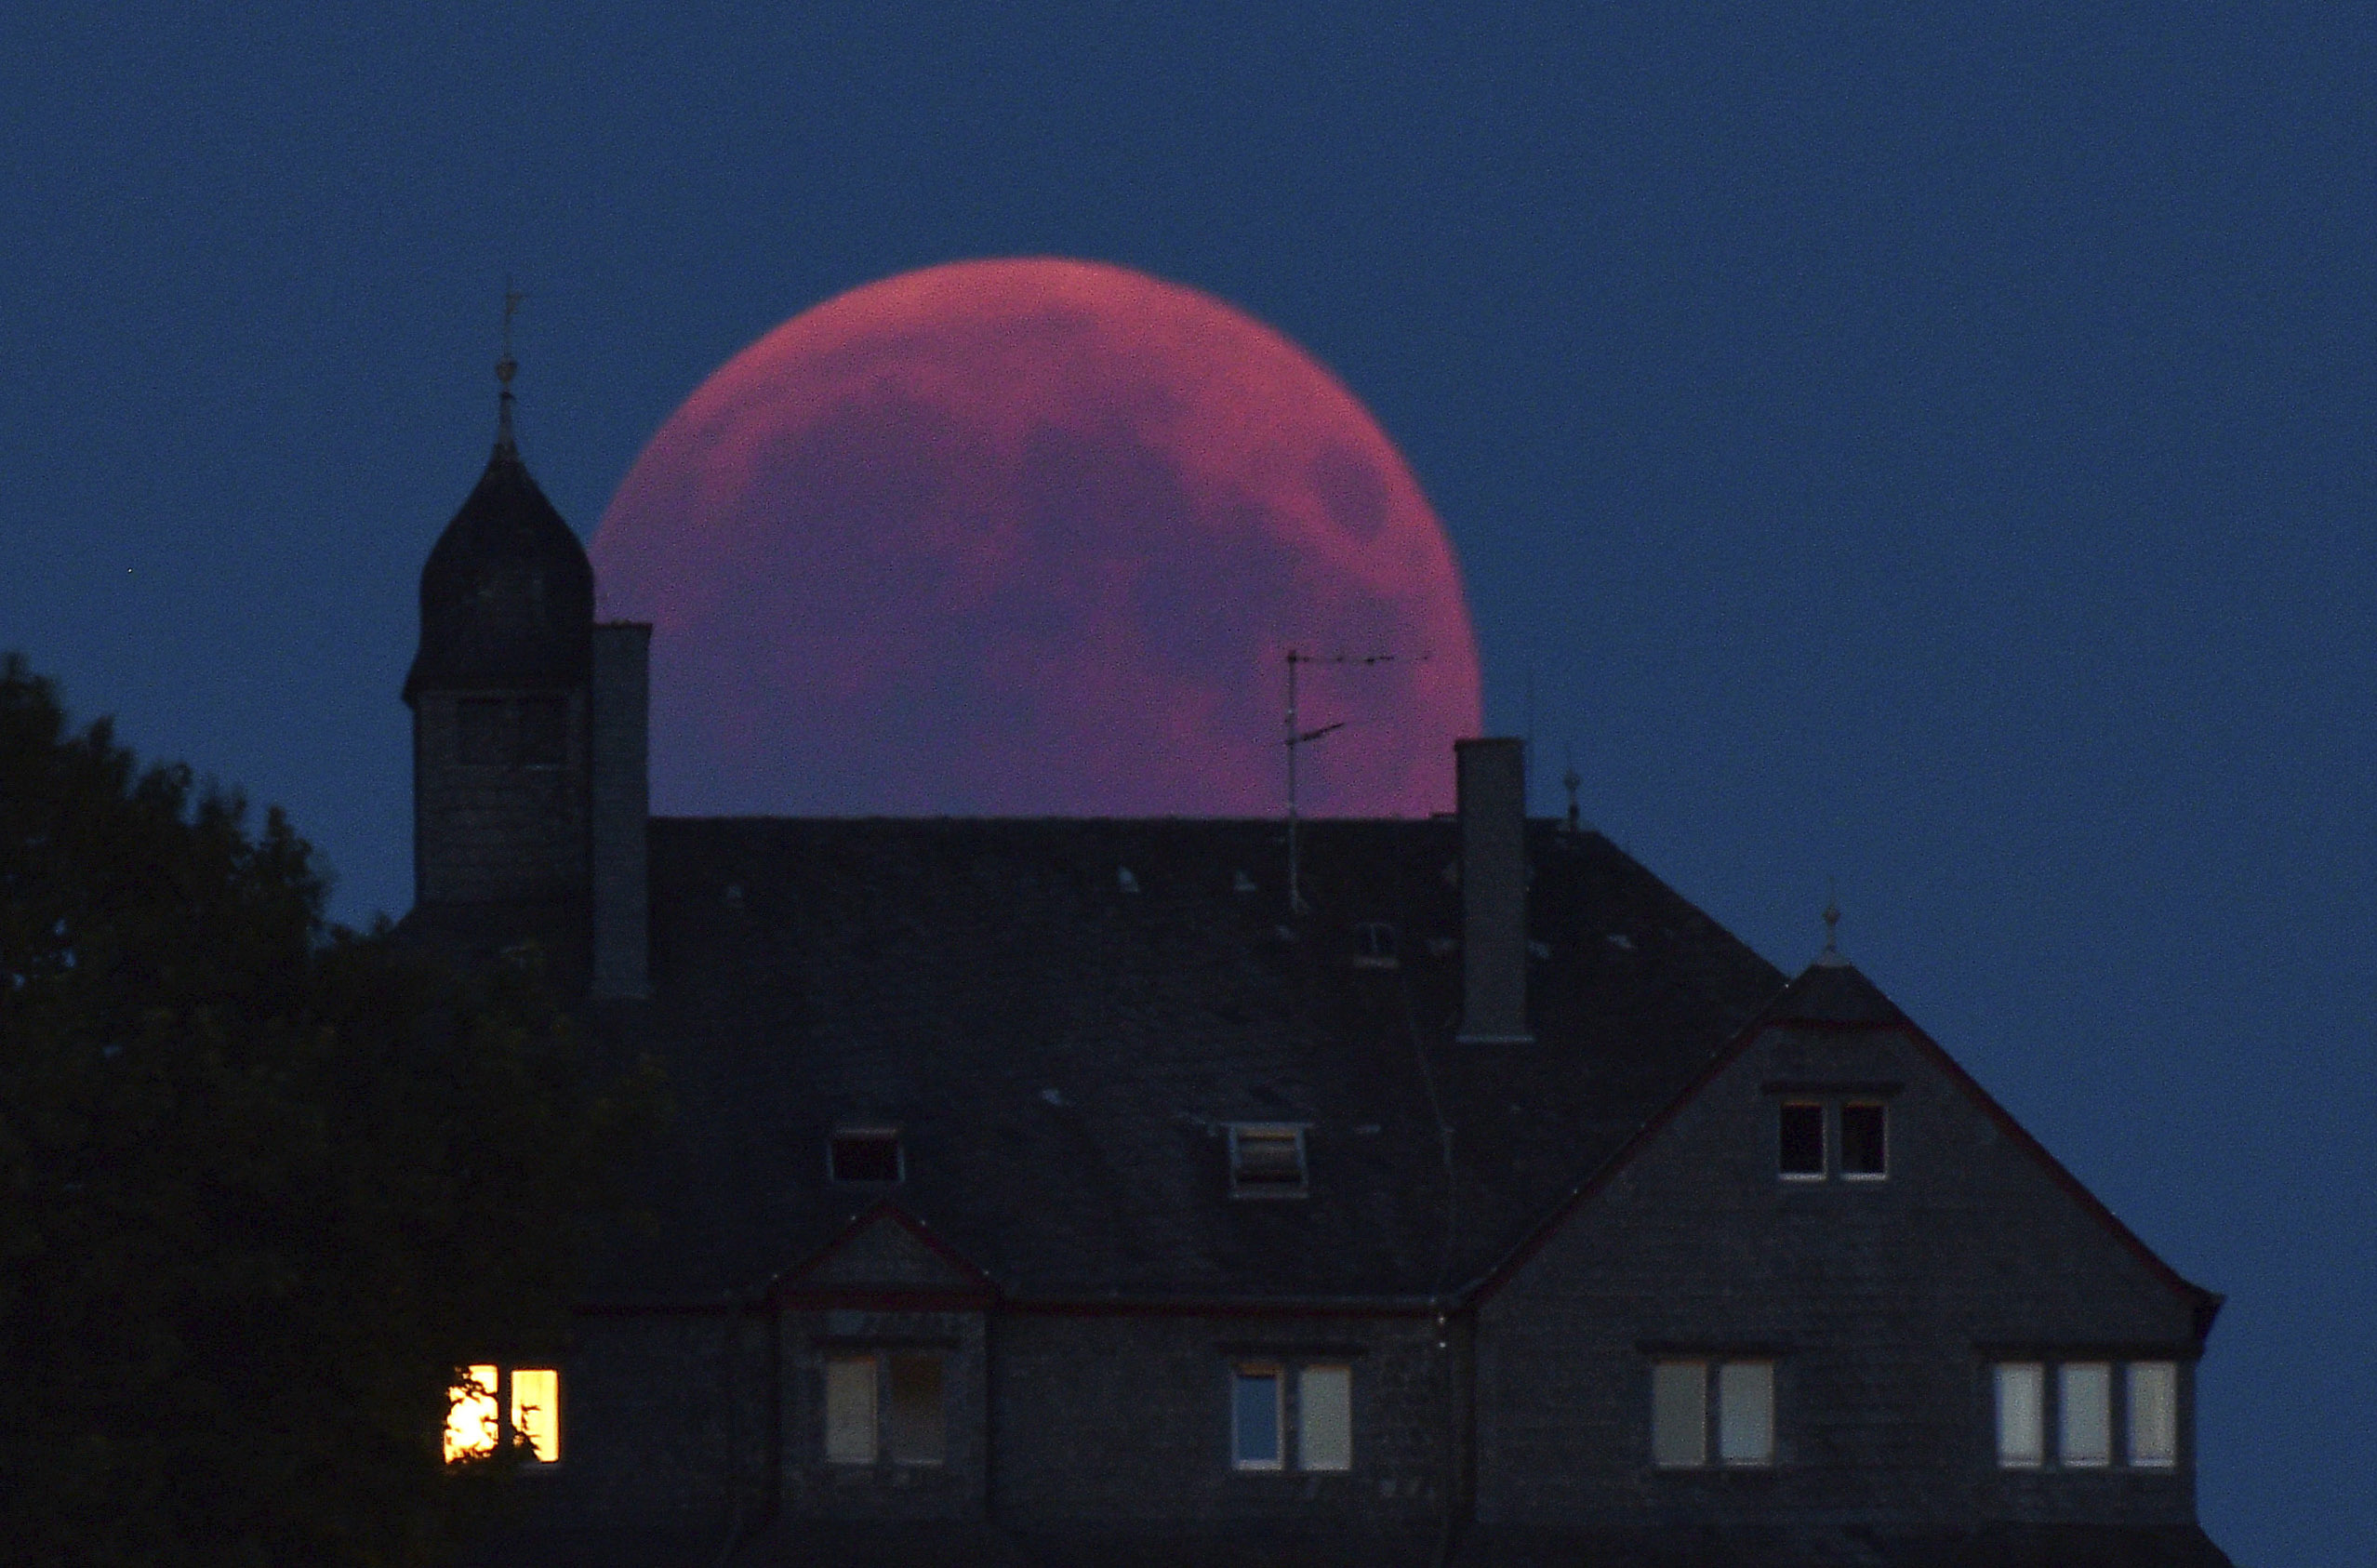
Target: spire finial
(1571, 782)
(506, 368)
(1830, 958)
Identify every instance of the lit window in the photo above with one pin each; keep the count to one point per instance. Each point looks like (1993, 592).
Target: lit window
(889, 1404)
(1255, 1417)
(2021, 1413)
(1324, 1419)
(1864, 1129)
(490, 1406)
(1800, 1152)
(1267, 1161)
(2084, 1414)
(1745, 1413)
(1679, 1412)
(2153, 1413)
(472, 1428)
(865, 1155)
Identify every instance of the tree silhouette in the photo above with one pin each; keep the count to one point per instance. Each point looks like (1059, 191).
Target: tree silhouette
(264, 1183)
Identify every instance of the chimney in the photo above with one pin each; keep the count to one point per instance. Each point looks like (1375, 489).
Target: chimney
(621, 808)
(1493, 801)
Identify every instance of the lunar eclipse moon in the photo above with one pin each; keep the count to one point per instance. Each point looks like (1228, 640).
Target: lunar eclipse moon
(1033, 537)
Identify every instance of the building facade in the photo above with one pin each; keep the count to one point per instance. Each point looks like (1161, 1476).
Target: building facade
(1069, 1191)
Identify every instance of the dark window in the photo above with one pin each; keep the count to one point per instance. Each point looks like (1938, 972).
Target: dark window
(1375, 945)
(866, 1156)
(915, 1427)
(1267, 1162)
(483, 731)
(1802, 1150)
(1864, 1140)
(544, 731)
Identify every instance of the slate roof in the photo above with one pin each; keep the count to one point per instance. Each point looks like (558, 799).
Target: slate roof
(1062, 1047)
(507, 592)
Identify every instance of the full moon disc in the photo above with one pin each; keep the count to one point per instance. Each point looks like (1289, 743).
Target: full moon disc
(1022, 537)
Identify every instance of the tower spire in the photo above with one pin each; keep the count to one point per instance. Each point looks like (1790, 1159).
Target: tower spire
(506, 368)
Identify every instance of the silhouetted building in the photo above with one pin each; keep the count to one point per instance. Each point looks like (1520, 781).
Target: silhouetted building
(1061, 1191)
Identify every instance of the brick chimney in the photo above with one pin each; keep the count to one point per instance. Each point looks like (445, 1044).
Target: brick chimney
(1493, 802)
(620, 810)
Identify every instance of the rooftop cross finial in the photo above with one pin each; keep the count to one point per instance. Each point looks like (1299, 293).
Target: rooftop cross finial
(1830, 958)
(506, 368)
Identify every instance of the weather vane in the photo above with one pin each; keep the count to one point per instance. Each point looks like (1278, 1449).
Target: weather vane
(507, 367)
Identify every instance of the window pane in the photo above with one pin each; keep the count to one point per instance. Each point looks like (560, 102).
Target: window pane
(1679, 1412)
(1254, 1414)
(850, 1409)
(1802, 1150)
(1745, 1413)
(1863, 1140)
(915, 1427)
(2085, 1397)
(2153, 1413)
(470, 1415)
(535, 1410)
(1324, 1419)
(2022, 1425)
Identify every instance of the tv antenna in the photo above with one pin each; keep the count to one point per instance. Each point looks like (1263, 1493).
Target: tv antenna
(1299, 737)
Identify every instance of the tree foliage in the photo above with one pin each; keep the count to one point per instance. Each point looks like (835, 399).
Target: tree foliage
(263, 1182)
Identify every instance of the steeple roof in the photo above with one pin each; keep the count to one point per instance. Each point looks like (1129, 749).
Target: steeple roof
(507, 595)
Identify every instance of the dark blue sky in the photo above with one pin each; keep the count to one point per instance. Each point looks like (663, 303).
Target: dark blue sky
(1928, 446)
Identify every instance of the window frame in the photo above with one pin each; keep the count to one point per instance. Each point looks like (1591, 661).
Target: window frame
(1881, 1108)
(1697, 1441)
(879, 1420)
(500, 1396)
(874, 1133)
(1783, 1108)
(1242, 1374)
(2057, 1420)
(1241, 1187)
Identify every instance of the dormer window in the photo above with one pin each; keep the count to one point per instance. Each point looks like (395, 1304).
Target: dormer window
(1267, 1160)
(1375, 945)
(866, 1156)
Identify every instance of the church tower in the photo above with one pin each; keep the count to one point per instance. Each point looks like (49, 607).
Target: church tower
(500, 693)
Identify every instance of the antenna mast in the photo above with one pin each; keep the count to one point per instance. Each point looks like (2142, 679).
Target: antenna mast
(1297, 738)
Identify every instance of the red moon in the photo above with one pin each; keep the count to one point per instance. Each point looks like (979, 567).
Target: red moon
(1020, 538)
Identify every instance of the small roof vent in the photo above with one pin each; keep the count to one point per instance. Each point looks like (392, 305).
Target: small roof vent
(1125, 879)
(866, 1156)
